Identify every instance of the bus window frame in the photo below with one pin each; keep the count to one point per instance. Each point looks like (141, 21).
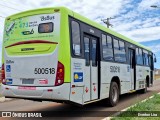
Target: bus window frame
(137, 63)
(106, 43)
(118, 39)
(145, 52)
(71, 39)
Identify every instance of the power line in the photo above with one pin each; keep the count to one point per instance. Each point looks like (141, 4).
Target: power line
(2, 17)
(9, 7)
(14, 3)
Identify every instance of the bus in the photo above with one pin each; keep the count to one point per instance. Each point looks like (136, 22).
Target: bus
(55, 54)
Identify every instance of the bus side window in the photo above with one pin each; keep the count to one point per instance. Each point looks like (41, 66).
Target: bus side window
(139, 56)
(116, 50)
(137, 53)
(151, 62)
(107, 47)
(122, 51)
(94, 52)
(86, 50)
(145, 58)
(119, 51)
(76, 44)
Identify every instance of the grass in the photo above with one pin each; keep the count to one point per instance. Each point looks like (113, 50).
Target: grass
(157, 77)
(148, 107)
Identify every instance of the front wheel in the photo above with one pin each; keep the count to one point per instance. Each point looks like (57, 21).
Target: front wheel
(113, 94)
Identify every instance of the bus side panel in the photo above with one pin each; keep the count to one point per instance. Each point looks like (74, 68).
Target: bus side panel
(77, 80)
(141, 74)
(64, 45)
(105, 79)
(110, 70)
(147, 72)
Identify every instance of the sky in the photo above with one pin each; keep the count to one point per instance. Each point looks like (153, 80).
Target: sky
(132, 18)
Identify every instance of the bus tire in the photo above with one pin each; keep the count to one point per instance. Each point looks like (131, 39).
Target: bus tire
(113, 94)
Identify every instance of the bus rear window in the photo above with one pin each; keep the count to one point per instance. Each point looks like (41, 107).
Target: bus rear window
(45, 27)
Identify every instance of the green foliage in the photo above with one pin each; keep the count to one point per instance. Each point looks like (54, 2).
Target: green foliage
(149, 106)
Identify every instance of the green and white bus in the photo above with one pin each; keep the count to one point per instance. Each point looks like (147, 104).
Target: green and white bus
(55, 54)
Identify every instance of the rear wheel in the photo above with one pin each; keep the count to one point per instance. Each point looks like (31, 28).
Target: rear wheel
(113, 94)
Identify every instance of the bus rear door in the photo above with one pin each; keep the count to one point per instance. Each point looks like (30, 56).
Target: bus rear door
(91, 68)
(131, 53)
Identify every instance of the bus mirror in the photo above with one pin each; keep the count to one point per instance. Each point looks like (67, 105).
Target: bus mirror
(155, 60)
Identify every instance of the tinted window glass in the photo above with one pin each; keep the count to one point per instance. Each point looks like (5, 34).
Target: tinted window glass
(137, 52)
(110, 48)
(122, 51)
(107, 47)
(119, 51)
(94, 53)
(104, 40)
(45, 27)
(151, 62)
(116, 50)
(139, 56)
(76, 39)
(86, 50)
(146, 59)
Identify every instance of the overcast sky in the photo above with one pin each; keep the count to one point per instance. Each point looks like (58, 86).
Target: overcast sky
(132, 18)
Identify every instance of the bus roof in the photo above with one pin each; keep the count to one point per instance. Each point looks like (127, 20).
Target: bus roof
(79, 17)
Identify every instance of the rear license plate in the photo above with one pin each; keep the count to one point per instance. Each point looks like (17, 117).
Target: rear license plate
(27, 81)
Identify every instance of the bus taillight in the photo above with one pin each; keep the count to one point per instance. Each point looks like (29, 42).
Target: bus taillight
(3, 75)
(60, 74)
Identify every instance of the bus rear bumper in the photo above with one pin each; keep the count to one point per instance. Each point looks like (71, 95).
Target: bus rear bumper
(61, 92)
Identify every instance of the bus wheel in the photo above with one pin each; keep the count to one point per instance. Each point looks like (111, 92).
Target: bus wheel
(113, 94)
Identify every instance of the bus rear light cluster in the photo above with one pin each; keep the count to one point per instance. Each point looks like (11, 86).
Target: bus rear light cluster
(3, 75)
(60, 74)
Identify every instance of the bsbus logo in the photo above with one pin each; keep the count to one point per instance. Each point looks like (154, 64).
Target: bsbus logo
(44, 18)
